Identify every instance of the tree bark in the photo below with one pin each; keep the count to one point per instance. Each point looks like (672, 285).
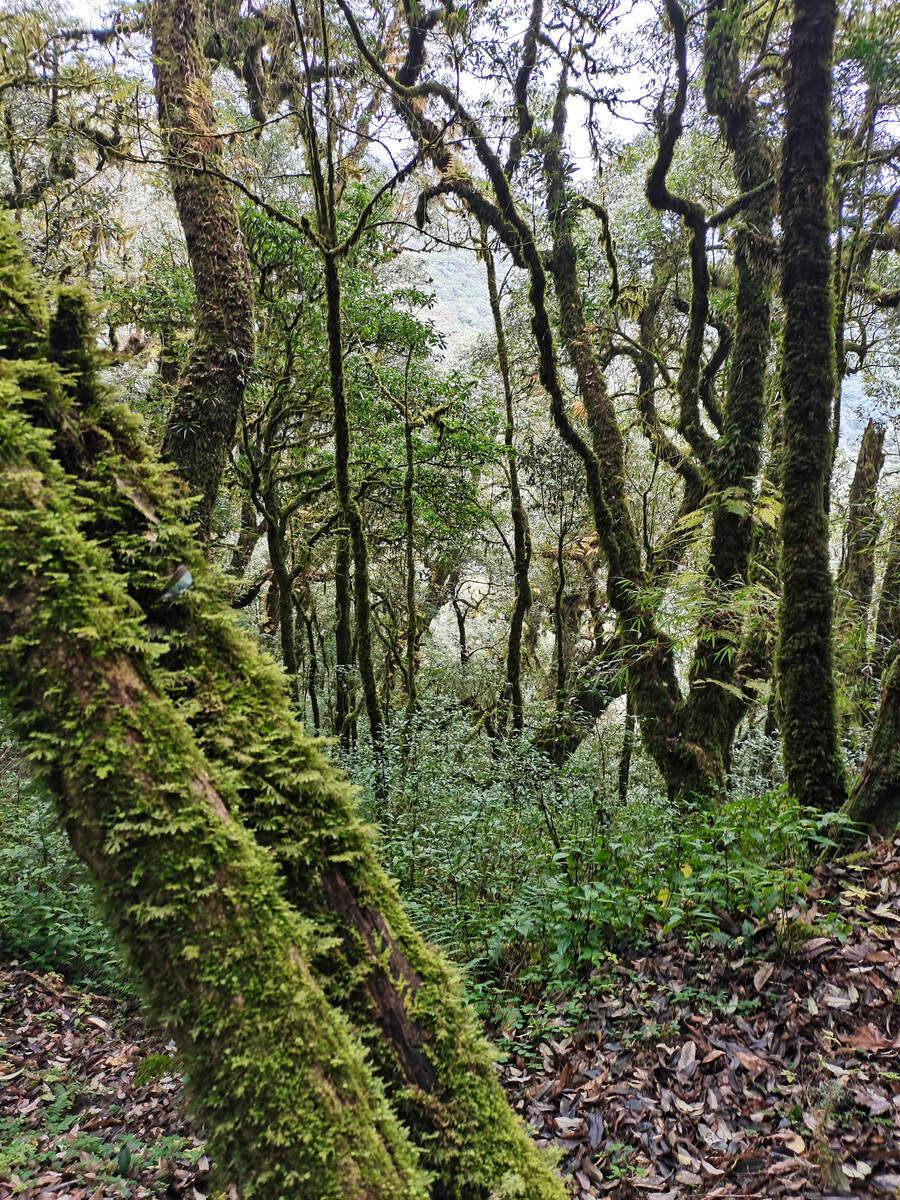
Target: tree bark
(887, 620)
(875, 799)
(201, 426)
(812, 759)
(856, 577)
(344, 664)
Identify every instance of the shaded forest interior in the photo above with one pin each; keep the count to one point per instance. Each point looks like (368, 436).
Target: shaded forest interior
(450, 559)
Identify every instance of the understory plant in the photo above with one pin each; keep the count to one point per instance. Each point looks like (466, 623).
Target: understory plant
(530, 875)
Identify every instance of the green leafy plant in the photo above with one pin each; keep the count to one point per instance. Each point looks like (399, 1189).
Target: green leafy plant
(47, 916)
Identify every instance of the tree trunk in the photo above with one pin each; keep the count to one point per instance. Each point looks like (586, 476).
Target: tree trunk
(887, 620)
(875, 800)
(856, 578)
(521, 532)
(812, 759)
(284, 583)
(344, 664)
(248, 536)
(201, 427)
(275, 1071)
(409, 480)
(362, 603)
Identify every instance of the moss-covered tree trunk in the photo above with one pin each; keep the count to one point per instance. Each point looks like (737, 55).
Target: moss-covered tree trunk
(887, 619)
(201, 426)
(856, 577)
(280, 1127)
(812, 758)
(274, 1071)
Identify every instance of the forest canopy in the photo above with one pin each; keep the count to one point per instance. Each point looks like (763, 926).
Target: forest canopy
(448, 527)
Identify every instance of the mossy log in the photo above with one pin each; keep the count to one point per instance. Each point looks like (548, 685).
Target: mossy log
(223, 755)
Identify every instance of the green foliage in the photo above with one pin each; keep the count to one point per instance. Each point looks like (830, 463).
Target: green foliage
(48, 919)
(531, 875)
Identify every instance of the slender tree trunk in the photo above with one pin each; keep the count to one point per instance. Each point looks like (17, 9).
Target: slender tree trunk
(461, 614)
(409, 479)
(308, 618)
(361, 598)
(201, 427)
(344, 664)
(812, 759)
(887, 620)
(283, 580)
(625, 756)
(248, 536)
(875, 799)
(856, 577)
(521, 531)
(559, 699)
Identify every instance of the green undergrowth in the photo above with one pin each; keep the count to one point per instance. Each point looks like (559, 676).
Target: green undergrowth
(532, 876)
(48, 918)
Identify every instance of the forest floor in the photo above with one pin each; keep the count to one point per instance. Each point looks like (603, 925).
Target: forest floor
(768, 1068)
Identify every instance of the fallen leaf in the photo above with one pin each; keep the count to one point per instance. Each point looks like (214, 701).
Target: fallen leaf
(763, 975)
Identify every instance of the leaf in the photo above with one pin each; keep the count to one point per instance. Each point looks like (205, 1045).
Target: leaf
(857, 1170)
(869, 1037)
(751, 1062)
(687, 1061)
(763, 975)
(138, 498)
